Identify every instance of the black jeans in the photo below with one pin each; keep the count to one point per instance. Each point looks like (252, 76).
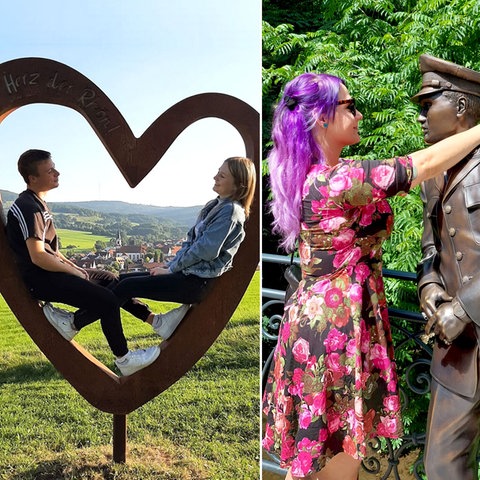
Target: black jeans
(97, 300)
(171, 287)
(138, 309)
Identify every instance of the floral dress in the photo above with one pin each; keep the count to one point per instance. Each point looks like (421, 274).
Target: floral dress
(333, 383)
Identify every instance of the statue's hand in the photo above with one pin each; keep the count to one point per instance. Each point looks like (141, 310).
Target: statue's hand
(431, 296)
(445, 324)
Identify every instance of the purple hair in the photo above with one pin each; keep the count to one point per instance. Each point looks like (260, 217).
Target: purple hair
(305, 99)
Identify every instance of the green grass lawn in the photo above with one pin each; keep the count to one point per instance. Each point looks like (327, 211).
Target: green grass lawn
(83, 241)
(206, 426)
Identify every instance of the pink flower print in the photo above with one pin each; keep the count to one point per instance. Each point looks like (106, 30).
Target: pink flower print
(305, 418)
(362, 271)
(367, 214)
(302, 464)
(319, 403)
(281, 423)
(312, 361)
(285, 335)
(387, 427)
(313, 307)
(297, 376)
(302, 296)
(355, 293)
(352, 419)
(278, 369)
(296, 386)
(392, 403)
(318, 205)
(287, 404)
(351, 348)
(315, 169)
(268, 441)
(301, 350)
(348, 255)
(357, 174)
(305, 252)
(379, 357)
(306, 445)
(343, 239)
(335, 340)
(292, 316)
(405, 161)
(320, 287)
(368, 421)
(358, 406)
(392, 386)
(333, 420)
(338, 184)
(288, 448)
(323, 191)
(333, 297)
(364, 338)
(306, 188)
(341, 316)
(384, 207)
(322, 435)
(349, 446)
(390, 221)
(383, 176)
(378, 195)
(361, 381)
(330, 225)
(333, 362)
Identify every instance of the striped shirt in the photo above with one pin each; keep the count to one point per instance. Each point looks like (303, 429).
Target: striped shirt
(30, 217)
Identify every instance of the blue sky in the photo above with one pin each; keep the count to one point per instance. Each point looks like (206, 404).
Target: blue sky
(146, 55)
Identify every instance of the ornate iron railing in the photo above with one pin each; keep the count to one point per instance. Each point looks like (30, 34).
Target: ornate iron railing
(414, 374)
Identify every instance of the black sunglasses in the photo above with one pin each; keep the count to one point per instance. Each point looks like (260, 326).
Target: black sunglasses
(350, 102)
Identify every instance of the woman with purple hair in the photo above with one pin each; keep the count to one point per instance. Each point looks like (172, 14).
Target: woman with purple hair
(333, 384)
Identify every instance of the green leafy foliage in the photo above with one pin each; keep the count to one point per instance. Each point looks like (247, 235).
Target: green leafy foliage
(374, 45)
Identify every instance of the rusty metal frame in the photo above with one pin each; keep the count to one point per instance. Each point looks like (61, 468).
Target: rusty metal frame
(28, 81)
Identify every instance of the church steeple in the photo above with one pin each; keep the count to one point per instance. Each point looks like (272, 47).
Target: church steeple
(118, 240)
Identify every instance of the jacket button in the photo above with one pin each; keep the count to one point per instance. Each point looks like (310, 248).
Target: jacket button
(459, 255)
(452, 232)
(448, 208)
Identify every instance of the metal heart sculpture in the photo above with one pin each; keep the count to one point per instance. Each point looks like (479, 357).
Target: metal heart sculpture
(37, 80)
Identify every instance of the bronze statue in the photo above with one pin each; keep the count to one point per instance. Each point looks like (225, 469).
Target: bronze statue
(449, 272)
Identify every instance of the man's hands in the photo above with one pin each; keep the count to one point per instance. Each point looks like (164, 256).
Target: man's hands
(439, 312)
(431, 297)
(445, 324)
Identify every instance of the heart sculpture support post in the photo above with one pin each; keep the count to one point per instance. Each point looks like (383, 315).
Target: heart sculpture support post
(28, 81)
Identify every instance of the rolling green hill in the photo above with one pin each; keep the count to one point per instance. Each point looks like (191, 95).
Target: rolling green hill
(106, 218)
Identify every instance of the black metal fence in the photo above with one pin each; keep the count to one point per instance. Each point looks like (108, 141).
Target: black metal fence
(414, 374)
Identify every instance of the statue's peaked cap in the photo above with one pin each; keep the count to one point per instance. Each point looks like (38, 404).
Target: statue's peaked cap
(439, 75)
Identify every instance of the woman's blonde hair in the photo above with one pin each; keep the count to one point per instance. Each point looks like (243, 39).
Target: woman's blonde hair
(245, 178)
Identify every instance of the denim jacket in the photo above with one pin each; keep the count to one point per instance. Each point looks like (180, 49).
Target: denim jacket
(213, 241)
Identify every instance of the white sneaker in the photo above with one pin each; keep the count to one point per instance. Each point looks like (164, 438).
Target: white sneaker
(61, 319)
(165, 324)
(137, 360)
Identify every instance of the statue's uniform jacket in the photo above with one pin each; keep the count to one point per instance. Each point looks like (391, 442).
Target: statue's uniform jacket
(451, 258)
